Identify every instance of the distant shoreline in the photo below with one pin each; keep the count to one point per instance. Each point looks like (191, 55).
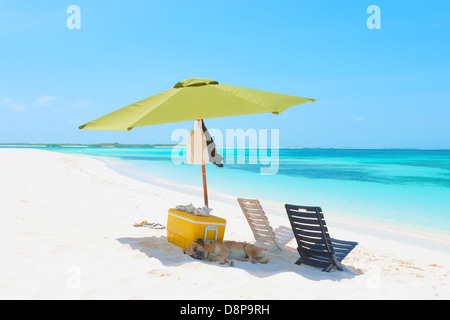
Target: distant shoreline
(97, 145)
(126, 145)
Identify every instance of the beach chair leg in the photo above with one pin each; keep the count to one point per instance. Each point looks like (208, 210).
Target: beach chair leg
(329, 268)
(299, 261)
(275, 248)
(337, 263)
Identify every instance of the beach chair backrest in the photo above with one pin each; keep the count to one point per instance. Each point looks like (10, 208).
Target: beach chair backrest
(315, 245)
(257, 219)
(311, 233)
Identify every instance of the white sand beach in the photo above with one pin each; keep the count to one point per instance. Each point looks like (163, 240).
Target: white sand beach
(67, 232)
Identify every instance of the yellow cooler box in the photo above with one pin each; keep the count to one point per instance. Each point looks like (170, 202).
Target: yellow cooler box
(183, 228)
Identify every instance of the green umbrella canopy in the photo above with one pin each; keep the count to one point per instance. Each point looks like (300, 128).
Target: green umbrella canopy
(194, 99)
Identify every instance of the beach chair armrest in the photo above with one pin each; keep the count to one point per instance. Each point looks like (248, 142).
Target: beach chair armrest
(349, 243)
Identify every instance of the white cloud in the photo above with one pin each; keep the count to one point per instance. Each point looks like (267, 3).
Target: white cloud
(82, 104)
(12, 104)
(358, 118)
(44, 100)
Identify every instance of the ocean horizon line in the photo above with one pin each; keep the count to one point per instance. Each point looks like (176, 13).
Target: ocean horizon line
(166, 145)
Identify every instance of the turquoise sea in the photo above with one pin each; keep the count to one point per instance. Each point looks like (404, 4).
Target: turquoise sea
(407, 188)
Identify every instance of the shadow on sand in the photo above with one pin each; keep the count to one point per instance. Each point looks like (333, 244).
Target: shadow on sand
(168, 254)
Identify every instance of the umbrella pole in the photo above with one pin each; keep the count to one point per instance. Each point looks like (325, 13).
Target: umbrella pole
(205, 190)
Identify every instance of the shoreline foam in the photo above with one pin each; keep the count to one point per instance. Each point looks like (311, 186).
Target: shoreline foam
(440, 240)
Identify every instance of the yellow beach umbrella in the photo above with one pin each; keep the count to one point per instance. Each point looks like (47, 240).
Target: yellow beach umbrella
(195, 99)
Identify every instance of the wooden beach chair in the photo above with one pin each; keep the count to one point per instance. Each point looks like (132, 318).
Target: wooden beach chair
(315, 245)
(264, 235)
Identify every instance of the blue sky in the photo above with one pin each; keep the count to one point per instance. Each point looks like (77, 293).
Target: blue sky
(386, 88)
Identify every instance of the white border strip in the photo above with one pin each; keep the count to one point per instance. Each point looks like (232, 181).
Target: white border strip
(197, 222)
